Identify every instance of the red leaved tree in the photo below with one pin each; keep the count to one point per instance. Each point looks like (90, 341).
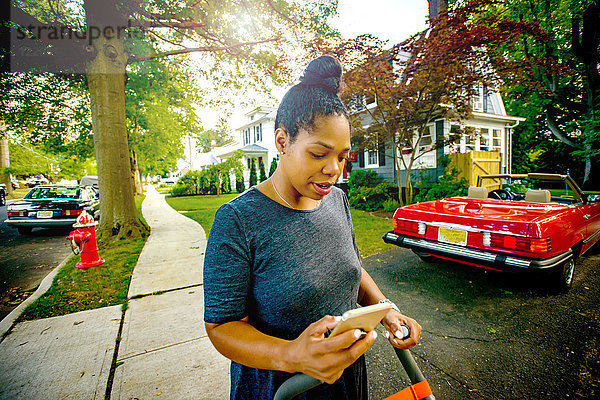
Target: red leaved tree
(396, 93)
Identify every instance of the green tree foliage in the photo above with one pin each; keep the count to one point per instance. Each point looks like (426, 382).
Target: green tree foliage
(253, 178)
(159, 108)
(221, 135)
(558, 89)
(273, 167)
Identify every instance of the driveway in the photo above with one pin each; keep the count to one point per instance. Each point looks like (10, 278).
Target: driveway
(489, 335)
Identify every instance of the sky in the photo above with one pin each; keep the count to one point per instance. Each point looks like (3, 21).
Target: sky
(394, 20)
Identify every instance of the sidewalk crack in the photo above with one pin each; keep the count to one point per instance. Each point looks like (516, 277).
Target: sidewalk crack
(159, 292)
(161, 348)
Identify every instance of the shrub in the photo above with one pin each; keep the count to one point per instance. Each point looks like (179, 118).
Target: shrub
(363, 178)
(253, 177)
(369, 198)
(239, 183)
(448, 185)
(273, 166)
(225, 184)
(261, 169)
(182, 190)
(391, 205)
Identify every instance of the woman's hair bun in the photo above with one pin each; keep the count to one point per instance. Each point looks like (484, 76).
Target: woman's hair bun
(324, 72)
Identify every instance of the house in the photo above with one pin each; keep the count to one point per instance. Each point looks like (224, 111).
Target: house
(256, 139)
(492, 128)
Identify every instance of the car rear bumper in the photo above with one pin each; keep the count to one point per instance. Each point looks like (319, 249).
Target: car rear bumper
(40, 222)
(474, 256)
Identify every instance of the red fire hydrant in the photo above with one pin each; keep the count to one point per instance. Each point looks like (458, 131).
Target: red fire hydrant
(83, 241)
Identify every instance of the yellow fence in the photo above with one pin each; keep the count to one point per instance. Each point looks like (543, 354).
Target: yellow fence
(474, 163)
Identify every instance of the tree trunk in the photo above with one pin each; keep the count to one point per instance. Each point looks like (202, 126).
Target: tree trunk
(398, 179)
(106, 82)
(5, 160)
(136, 174)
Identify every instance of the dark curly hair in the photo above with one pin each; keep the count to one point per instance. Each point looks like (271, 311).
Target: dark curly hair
(316, 95)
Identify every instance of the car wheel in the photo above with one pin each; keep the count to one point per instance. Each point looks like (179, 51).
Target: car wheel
(24, 230)
(563, 276)
(425, 257)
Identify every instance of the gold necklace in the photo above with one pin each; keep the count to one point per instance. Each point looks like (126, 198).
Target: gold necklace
(280, 196)
(284, 200)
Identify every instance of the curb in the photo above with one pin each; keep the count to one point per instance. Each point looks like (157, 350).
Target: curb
(7, 323)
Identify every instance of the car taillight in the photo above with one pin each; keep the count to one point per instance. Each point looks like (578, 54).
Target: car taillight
(404, 225)
(16, 213)
(71, 212)
(530, 245)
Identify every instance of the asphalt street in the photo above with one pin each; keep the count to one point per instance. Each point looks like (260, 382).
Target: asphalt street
(489, 335)
(26, 259)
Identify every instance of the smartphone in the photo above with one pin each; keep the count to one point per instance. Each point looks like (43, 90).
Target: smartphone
(365, 318)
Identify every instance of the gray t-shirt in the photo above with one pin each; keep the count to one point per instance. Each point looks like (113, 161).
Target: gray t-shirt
(284, 269)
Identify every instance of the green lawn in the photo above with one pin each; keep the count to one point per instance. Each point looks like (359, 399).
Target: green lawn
(368, 229)
(77, 290)
(201, 209)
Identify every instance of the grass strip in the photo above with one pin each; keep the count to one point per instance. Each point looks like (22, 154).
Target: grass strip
(367, 228)
(201, 209)
(76, 290)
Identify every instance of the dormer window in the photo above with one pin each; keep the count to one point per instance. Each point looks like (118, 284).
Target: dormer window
(477, 100)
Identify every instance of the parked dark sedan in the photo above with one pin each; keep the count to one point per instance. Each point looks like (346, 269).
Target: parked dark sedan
(3, 193)
(51, 206)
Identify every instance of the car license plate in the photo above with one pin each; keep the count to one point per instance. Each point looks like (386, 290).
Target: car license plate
(452, 236)
(45, 214)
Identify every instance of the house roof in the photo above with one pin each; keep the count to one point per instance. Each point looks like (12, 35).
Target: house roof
(253, 148)
(268, 116)
(250, 149)
(497, 117)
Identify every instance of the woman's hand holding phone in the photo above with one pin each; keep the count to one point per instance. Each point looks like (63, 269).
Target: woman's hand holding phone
(326, 358)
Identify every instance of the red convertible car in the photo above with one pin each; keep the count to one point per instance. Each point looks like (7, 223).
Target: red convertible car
(521, 223)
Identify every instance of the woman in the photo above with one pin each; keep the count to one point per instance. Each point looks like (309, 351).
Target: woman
(282, 261)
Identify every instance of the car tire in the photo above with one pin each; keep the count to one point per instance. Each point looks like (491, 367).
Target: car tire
(24, 230)
(425, 257)
(562, 279)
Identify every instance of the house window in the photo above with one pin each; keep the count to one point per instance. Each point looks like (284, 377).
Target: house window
(455, 138)
(469, 143)
(477, 100)
(246, 136)
(496, 140)
(259, 133)
(484, 139)
(372, 158)
(426, 141)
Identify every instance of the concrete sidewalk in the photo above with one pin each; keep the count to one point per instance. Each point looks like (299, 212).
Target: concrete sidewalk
(163, 351)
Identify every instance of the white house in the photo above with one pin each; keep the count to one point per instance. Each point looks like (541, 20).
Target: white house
(256, 138)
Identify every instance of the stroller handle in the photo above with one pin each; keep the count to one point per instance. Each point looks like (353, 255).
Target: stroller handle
(301, 382)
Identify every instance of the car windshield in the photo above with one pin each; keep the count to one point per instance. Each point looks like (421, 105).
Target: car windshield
(55, 192)
(556, 188)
